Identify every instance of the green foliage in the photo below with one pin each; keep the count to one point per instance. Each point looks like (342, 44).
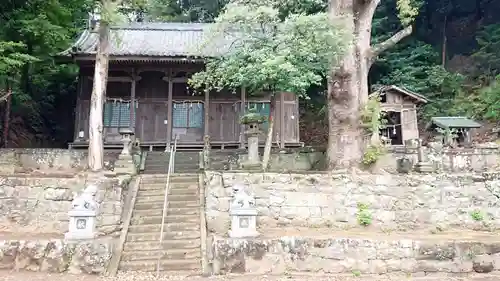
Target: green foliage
(271, 53)
(408, 10)
(488, 53)
(482, 103)
(372, 116)
(477, 215)
(252, 116)
(12, 59)
(364, 216)
(184, 11)
(372, 153)
(32, 32)
(415, 66)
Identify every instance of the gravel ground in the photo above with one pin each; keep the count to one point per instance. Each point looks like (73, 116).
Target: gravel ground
(28, 276)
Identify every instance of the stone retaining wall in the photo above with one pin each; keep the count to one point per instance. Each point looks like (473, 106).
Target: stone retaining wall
(475, 159)
(37, 204)
(394, 202)
(482, 157)
(56, 255)
(355, 256)
(48, 159)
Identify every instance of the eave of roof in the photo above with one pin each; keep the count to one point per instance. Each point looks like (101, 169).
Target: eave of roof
(152, 40)
(447, 122)
(416, 96)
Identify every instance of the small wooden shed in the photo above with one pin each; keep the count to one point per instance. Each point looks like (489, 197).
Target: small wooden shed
(400, 106)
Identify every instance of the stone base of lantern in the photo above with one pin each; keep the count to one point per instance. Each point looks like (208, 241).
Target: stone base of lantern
(243, 234)
(252, 166)
(125, 165)
(82, 225)
(424, 167)
(243, 221)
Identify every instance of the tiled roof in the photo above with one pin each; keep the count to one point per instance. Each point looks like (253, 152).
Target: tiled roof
(454, 122)
(153, 39)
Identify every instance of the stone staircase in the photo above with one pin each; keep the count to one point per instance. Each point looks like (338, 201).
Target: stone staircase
(185, 162)
(180, 250)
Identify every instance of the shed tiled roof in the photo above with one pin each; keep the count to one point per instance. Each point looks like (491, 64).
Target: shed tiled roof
(418, 97)
(454, 122)
(154, 40)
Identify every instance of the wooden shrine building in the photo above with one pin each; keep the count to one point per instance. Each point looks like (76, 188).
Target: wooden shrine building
(147, 91)
(400, 107)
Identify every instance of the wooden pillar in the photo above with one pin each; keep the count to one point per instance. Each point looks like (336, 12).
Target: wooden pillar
(206, 110)
(79, 93)
(169, 111)
(132, 102)
(282, 120)
(242, 112)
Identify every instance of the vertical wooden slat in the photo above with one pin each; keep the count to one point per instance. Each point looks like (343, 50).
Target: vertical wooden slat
(169, 112)
(132, 101)
(212, 123)
(296, 119)
(78, 107)
(206, 111)
(242, 112)
(282, 120)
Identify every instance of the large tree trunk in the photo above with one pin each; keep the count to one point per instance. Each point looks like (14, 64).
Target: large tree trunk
(348, 86)
(96, 149)
(270, 130)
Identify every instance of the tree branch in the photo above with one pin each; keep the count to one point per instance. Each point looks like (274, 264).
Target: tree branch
(396, 38)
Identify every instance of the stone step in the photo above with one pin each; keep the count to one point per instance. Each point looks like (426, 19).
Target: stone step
(173, 191)
(171, 198)
(177, 168)
(170, 211)
(162, 178)
(169, 227)
(183, 211)
(165, 265)
(178, 161)
(173, 186)
(145, 205)
(149, 219)
(166, 245)
(155, 236)
(171, 254)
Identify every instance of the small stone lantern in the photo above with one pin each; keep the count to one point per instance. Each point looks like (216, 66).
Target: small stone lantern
(422, 166)
(253, 120)
(243, 214)
(127, 135)
(82, 217)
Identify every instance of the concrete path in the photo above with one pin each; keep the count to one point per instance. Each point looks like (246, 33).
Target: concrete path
(27, 276)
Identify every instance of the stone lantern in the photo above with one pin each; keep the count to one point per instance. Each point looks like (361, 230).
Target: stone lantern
(82, 216)
(422, 166)
(252, 120)
(243, 214)
(127, 135)
(125, 163)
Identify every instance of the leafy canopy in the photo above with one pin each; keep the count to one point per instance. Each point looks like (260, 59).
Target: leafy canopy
(12, 58)
(271, 50)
